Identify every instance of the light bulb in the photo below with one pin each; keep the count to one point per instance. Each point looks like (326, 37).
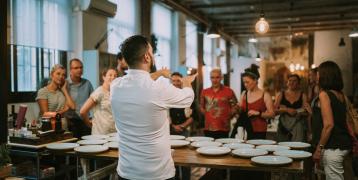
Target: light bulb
(262, 26)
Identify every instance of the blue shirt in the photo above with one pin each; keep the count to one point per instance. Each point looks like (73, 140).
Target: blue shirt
(80, 92)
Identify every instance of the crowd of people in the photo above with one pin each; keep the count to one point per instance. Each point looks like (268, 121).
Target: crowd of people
(145, 111)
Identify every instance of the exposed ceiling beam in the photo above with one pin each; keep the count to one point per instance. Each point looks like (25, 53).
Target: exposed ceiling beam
(196, 16)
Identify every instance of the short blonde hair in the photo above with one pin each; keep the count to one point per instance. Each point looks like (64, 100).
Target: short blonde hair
(55, 67)
(216, 70)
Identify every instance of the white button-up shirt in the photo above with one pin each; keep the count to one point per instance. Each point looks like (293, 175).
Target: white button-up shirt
(140, 106)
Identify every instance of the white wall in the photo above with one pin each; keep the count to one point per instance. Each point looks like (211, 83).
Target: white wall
(326, 48)
(238, 66)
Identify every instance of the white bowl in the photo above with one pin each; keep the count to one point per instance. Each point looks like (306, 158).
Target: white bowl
(112, 145)
(95, 137)
(249, 152)
(199, 138)
(92, 142)
(295, 145)
(91, 149)
(272, 148)
(294, 154)
(178, 143)
(199, 144)
(260, 142)
(62, 146)
(271, 160)
(213, 150)
(239, 146)
(177, 137)
(229, 140)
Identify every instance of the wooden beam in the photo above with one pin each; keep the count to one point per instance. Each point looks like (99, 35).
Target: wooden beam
(4, 69)
(145, 17)
(323, 8)
(197, 17)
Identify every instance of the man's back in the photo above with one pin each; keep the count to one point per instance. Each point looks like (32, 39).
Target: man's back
(139, 107)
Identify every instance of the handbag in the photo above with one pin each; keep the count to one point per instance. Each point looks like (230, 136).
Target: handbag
(242, 123)
(352, 115)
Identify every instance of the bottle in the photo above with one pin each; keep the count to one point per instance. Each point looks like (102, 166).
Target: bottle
(58, 125)
(14, 115)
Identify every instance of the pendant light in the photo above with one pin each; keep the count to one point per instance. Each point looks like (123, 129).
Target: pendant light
(213, 32)
(353, 33)
(262, 26)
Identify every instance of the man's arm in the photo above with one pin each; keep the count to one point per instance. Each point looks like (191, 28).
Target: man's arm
(163, 72)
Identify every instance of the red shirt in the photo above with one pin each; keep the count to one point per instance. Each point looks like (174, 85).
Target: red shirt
(259, 124)
(217, 107)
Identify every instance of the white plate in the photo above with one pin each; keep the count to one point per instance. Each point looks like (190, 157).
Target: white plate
(272, 148)
(213, 151)
(113, 139)
(92, 142)
(91, 149)
(239, 146)
(178, 143)
(62, 146)
(295, 145)
(249, 152)
(294, 154)
(271, 160)
(112, 134)
(94, 137)
(229, 140)
(199, 138)
(260, 142)
(199, 144)
(177, 137)
(112, 145)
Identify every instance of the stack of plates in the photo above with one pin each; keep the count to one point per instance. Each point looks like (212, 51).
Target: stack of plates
(272, 148)
(113, 139)
(177, 137)
(92, 142)
(239, 146)
(112, 134)
(95, 137)
(295, 145)
(229, 140)
(91, 149)
(294, 154)
(249, 152)
(199, 138)
(178, 143)
(62, 146)
(199, 144)
(112, 145)
(272, 160)
(261, 142)
(213, 151)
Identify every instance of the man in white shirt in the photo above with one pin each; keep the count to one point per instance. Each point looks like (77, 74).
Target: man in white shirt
(140, 106)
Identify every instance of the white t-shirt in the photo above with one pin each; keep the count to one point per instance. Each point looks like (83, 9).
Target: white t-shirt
(102, 122)
(139, 107)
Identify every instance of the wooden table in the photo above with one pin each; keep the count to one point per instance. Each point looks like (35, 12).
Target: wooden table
(189, 157)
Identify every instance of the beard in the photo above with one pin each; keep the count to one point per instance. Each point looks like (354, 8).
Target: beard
(153, 68)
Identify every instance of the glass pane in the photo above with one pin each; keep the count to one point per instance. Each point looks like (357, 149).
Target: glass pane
(191, 37)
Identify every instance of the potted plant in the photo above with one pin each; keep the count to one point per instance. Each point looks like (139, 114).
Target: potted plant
(5, 166)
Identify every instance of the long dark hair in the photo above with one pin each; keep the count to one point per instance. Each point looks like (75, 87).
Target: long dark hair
(330, 76)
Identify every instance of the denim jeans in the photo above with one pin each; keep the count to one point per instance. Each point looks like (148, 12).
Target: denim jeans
(332, 161)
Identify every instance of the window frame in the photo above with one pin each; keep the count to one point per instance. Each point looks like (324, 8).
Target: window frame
(16, 96)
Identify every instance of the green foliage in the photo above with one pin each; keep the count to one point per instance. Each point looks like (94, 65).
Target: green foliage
(4, 155)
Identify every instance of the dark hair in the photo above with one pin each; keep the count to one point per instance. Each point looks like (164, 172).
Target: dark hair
(75, 59)
(252, 72)
(294, 75)
(104, 71)
(119, 56)
(330, 76)
(176, 74)
(134, 48)
(314, 70)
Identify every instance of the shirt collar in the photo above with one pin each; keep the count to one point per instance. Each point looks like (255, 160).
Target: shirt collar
(137, 72)
(71, 82)
(221, 87)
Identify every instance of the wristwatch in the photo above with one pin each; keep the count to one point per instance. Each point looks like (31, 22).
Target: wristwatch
(321, 146)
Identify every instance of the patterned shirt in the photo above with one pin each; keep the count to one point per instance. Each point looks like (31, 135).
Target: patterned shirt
(217, 107)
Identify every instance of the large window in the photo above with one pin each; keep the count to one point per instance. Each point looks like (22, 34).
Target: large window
(162, 29)
(191, 41)
(123, 25)
(208, 61)
(40, 38)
